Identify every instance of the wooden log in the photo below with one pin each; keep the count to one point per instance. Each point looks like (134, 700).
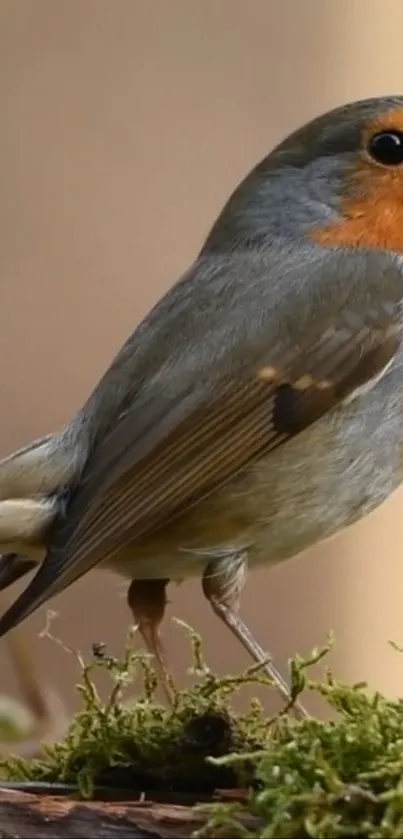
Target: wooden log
(27, 816)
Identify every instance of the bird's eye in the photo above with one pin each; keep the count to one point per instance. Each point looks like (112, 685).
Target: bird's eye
(386, 147)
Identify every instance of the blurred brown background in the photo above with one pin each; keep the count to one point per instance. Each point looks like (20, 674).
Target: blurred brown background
(124, 126)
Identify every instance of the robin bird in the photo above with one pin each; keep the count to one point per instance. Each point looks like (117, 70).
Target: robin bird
(256, 410)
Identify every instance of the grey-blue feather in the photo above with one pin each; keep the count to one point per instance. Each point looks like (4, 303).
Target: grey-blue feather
(260, 294)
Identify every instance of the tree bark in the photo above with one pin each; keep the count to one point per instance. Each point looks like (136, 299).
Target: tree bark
(26, 816)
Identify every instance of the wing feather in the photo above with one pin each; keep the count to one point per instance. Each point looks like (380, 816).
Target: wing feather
(145, 474)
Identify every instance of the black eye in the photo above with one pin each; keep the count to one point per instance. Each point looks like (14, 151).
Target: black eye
(386, 147)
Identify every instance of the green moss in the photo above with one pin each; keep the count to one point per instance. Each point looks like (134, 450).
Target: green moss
(307, 778)
(145, 746)
(326, 779)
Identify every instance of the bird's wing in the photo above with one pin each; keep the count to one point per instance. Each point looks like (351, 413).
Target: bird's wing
(13, 567)
(137, 481)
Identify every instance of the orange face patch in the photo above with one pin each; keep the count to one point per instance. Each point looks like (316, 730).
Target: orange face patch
(372, 207)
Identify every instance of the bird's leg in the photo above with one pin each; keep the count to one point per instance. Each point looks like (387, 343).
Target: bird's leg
(147, 600)
(223, 581)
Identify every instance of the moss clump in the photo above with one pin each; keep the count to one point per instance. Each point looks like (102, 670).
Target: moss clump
(321, 779)
(307, 778)
(146, 747)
